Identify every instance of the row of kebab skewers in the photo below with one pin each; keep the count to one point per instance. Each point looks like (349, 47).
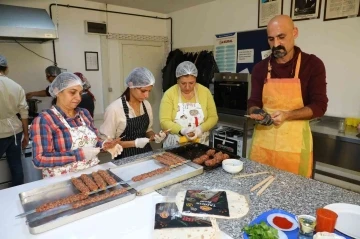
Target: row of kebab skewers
(87, 186)
(101, 180)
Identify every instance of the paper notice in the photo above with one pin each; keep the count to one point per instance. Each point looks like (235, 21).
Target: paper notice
(246, 56)
(336, 8)
(265, 54)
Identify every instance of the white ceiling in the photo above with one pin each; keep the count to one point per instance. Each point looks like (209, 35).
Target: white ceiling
(161, 6)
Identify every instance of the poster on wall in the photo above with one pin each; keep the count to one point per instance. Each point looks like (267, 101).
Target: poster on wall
(225, 52)
(305, 9)
(268, 9)
(335, 9)
(91, 61)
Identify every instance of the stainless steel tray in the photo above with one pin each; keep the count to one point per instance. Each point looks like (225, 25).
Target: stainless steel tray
(175, 175)
(41, 222)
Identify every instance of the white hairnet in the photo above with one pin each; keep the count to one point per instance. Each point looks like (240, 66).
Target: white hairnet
(3, 61)
(186, 68)
(63, 81)
(140, 77)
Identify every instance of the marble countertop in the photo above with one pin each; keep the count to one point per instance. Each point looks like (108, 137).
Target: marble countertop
(295, 194)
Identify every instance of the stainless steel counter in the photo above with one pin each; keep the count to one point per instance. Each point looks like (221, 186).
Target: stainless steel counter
(329, 126)
(336, 155)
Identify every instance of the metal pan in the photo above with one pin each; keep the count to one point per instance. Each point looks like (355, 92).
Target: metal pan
(41, 222)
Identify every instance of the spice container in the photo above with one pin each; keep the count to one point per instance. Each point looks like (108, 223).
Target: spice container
(307, 225)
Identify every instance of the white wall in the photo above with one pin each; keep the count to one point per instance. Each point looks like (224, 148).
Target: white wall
(335, 42)
(28, 69)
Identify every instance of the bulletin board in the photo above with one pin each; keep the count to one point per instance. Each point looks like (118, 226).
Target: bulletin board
(251, 45)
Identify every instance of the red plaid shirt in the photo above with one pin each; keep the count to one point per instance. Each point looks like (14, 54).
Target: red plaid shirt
(51, 140)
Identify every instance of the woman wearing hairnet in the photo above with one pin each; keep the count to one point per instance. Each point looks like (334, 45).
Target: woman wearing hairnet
(64, 136)
(130, 117)
(187, 108)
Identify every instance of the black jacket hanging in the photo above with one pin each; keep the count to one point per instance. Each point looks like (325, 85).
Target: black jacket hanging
(174, 59)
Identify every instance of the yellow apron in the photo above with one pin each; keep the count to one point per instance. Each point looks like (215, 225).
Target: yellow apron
(289, 145)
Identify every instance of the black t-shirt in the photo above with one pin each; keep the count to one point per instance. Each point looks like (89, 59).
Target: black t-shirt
(87, 102)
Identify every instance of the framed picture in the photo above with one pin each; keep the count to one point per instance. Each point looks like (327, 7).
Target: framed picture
(341, 9)
(91, 61)
(268, 9)
(305, 9)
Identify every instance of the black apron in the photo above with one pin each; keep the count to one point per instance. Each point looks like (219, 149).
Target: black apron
(135, 128)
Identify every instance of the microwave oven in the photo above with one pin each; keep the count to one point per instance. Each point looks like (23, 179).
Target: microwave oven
(231, 92)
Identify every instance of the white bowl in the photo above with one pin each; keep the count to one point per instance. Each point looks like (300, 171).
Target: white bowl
(232, 165)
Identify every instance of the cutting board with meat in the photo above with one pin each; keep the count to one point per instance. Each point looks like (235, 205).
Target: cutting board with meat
(157, 171)
(203, 155)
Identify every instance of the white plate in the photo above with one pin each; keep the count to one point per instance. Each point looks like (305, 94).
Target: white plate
(282, 235)
(348, 218)
(270, 219)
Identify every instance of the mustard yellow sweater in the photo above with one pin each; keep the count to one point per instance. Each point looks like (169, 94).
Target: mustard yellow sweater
(169, 103)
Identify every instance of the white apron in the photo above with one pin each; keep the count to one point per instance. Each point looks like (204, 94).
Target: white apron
(81, 136)
(188, 115)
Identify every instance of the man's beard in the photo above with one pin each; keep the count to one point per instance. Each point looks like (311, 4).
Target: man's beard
(279, 51)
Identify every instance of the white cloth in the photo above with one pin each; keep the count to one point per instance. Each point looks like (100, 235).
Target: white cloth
(12, 101)
(189, 115)
(81, 136)
(115, 119)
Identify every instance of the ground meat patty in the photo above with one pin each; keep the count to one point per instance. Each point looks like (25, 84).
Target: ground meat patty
(218, 154)
(226, 156)
(218, 158)
(201, 159)
(99, 197)
(210, 152)
(256, 117)
(60, 202)
(89, 182)
(150, 174)
(80, 185)
(99, 180)
(197, 161)
(204, 157)
(106, 176)
(210, 162)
